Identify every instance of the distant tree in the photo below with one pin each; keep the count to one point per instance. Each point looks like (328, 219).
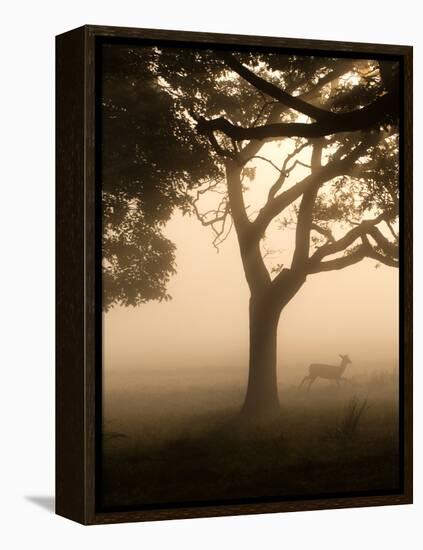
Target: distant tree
(148, 163)
(186, 123)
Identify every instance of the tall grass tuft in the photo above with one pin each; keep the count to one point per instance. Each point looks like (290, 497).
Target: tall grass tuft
(350, 420)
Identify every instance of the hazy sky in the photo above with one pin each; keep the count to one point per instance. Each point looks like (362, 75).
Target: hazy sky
(205, 325)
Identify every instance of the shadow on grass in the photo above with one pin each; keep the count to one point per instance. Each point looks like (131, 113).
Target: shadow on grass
(160, 448)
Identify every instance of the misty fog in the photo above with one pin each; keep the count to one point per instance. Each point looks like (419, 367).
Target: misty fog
(203, 331)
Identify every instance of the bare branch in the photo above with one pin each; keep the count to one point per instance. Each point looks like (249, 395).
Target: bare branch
(339, 263)
(285, 171)
(221, 238)
(268, 161)
(219, 215)
(221, 235)
(325, 173)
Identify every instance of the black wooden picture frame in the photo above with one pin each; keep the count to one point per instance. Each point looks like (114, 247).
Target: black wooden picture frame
(78, 295)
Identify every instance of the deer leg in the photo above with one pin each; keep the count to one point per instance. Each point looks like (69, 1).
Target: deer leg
(312, 379)
(337, 381)
(303, 380)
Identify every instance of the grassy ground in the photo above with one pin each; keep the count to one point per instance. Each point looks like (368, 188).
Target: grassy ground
(180, 445)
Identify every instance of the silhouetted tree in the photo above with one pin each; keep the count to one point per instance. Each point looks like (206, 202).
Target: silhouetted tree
(149, 160)
(183, 123)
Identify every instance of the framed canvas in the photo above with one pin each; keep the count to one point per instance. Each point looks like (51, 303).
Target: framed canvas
(234, 275)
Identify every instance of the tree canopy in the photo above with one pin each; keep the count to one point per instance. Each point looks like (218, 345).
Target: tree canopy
(177, 121)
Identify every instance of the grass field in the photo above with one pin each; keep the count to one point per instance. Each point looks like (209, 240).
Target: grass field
(180, 444)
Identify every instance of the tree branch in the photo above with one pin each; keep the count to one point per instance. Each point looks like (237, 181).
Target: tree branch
(256, 273)
(339, 263)
(353, 121)
(347, 240)
(384, 244)
(259, 157)
(254, 146)
(365, 228)
(327, 233)
(325, 173)
(285, 171)
(217, 148)
(305, 211)
(274, 91)
(391, 262)
(391, 229)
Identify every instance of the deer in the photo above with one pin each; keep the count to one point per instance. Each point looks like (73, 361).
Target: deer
(329, 372)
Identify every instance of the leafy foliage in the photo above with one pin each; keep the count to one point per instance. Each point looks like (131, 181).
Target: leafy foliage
(154, 159)
(150, 156)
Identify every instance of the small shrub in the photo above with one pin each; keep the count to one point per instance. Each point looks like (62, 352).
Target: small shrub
(353, 414)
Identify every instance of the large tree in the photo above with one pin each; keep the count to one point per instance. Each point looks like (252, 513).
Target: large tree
(199, 123)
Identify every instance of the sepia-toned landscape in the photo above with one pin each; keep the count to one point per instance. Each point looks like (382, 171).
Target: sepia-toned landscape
(250, 275)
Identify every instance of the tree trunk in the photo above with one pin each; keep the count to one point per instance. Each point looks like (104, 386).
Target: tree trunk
(262, 401)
